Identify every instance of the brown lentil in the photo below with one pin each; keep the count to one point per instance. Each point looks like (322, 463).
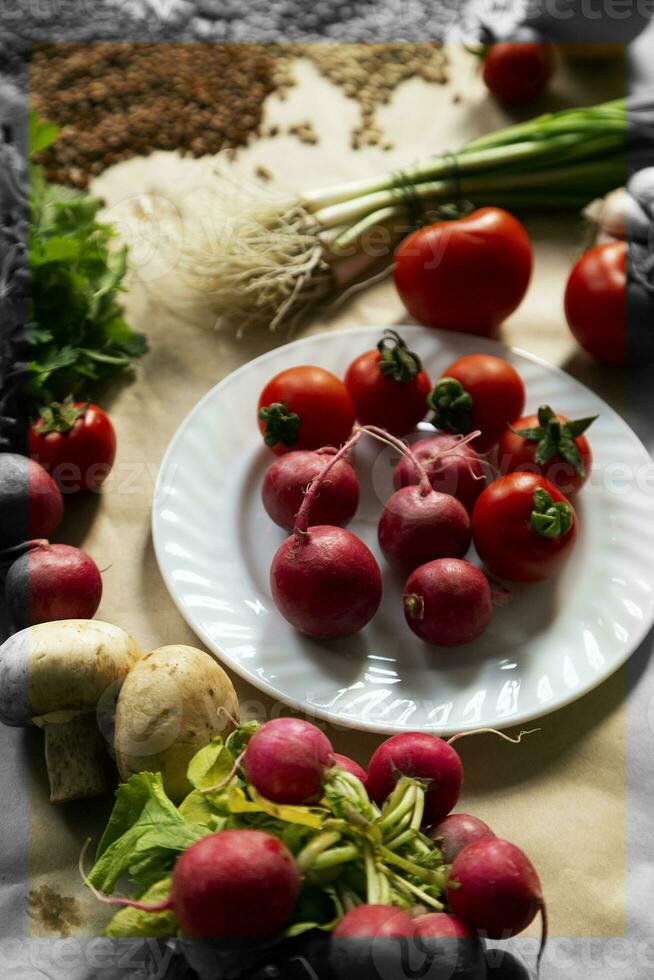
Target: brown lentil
(370, 73)
(118, 100)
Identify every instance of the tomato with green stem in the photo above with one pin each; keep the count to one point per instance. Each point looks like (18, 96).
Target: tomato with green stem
(524, 529)
(76, 443)
(388, 386)
(477, 391)
(551, 445)
(305, 407)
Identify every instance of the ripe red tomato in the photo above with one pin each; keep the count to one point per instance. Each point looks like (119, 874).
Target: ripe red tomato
(76, 443)
(523, 528)
(551, 445)
(466, 275)
(595, 301)
(305, 408)
(477, 391)
(517, 73)
(388, 386)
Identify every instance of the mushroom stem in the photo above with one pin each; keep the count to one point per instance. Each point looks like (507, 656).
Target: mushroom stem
(75, 756)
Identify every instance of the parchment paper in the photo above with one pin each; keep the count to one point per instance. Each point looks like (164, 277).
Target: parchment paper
(560, 795)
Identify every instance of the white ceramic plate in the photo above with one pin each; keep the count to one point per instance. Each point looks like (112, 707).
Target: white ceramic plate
(555, 641)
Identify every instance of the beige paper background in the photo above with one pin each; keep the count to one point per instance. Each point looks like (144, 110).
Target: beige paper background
(560, 794)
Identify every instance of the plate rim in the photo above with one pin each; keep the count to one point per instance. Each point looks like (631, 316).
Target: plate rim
(324, 714)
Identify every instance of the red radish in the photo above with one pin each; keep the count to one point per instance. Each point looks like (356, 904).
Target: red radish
(452, 466)
(349, 765)
(367, 921)
(447, 602)
(286, 760)
(440, 924)
(370, 942)
(223, 882)
(421, 756)
(287, 479)
(456, 832)
(494, 886)
(327, 584)
(50, 582)
(449, 948)
(419, 524)
(31, 505)
(324, 580)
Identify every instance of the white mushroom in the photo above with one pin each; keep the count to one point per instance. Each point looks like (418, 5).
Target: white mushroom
(58, 676)
(174, 701)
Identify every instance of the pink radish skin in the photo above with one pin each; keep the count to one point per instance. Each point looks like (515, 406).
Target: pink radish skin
(494, 886)
(236, 883)
(286, 760)
(417, 527)
(442, 925)
(323, 579)
(326, 583)
(421, 756)
(456, 831)
(447, 602)
(349, 765)
(369, 921)
(286, 481)
(51, 582)
(452, 466)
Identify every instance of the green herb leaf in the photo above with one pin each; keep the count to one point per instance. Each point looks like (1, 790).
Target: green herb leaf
(144, 835)
(41, 134)
(76, 277)
(210, 766)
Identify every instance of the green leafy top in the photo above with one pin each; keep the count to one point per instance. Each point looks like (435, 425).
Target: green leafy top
(76, 331)
(346, 849)
(550, 520)
(556, 438)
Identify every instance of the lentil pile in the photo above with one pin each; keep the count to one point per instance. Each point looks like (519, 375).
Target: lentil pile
(370, 73)
(117, 100)
(114, 101)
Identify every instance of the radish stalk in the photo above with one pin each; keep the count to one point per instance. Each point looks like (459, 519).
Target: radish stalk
(302, 518)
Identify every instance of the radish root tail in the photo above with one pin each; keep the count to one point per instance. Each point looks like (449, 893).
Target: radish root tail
(165, 906)
(493, 731)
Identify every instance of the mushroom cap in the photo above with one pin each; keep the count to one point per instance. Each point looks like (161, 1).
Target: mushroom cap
(174, 701)
(66, 665)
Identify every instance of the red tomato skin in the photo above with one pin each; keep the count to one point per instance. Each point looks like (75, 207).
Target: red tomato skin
(502, 533)
(595, 302)
(517, 454)
(379, 399)
(81, 458)
(320, 399)
(497, 391)
(517, 73)
(465, 275)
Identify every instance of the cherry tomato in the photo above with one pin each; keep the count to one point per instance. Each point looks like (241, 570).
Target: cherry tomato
(477, 391)
(388, 386)
(523, 528)
(468, 274)
(76, 443)
(517, 73)
(551, 445)
(305, 408)
(595, 301)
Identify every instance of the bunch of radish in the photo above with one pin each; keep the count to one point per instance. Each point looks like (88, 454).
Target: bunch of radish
(404, 867)
(490, 477)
